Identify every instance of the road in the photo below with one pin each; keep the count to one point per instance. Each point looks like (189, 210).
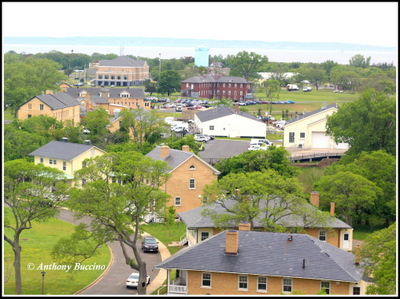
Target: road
(112, 282)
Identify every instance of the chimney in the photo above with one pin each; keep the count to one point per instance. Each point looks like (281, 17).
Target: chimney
(65, 139)
(49, 92)
(236, 108)
(244, 226)
(232, 242)
(164, 151)
(332, 208)
(185, 148)
(314, 200)
(87, 101)
(357, 260)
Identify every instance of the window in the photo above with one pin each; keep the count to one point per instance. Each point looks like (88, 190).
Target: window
(262, 283)
(242, 282)
(29, 115)
(303, 135)
(235, 85)
(41, 107)
(105, 76)
(192, 167)
(92, 152)
(204, 199)
(41, 160)
(229, 85)
(29, 106)
(325, 285)
(118, 77)
(177, 200)
(100, 77)
(291, 137)
(64, 165)
(211, 128)
(204, 235)
(223, 85)
(287, 285)
(241, 85)
(112, 77)
(322, 235)
(356, 291)
(192, 184)
(206, 280)
(53, 161)
(125, 77)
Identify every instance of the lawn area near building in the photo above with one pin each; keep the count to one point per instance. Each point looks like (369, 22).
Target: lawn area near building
(37, 244)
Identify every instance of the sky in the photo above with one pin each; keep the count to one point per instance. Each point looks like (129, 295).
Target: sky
(368, 23)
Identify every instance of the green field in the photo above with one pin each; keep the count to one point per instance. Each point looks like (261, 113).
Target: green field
(37, 244)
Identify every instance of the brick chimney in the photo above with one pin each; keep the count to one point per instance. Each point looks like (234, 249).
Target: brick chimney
(87, 100)
(244, 226)
(164, 151)
(357, 260)
(185, 148)
(49, 92)
(314, 199)
(232, 242)
(332, 208)
(236, 108)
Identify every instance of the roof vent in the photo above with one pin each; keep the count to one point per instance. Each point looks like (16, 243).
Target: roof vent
(65, 139)
(86, 142)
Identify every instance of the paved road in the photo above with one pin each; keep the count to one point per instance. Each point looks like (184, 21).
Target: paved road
(113, 280)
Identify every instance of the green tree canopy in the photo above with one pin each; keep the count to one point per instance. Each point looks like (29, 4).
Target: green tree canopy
(359, 60)
(169, 82)
(96, 121)
(246, 64)
(367, 124)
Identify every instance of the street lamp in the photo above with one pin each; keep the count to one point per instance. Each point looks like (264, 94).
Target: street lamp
(43, 273)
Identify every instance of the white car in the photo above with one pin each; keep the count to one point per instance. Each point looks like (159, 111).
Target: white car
(133, 279)
(201, 138)
(258, 146)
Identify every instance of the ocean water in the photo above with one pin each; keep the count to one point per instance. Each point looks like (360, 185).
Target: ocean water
(341, 57)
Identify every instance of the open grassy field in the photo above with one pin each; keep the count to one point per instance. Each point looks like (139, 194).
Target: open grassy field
(37, 244)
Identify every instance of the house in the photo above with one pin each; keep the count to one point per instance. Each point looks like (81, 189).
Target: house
(215, 86)
(189, 175)
(308, 130)
(335, 232)
(64, 86)
(243, 262)
(122, 71)
(117, 98)
(65, 156)
(228, 122)
(59, 105)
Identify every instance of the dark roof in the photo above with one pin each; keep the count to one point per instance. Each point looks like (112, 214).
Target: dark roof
(62, 150)
(269, 254)
(135, 93)
(222, 111)
(215, 79)
(122, 61)
(57, 100)
(302, 116)
(98, 99)
(193, 218)
(176, 158)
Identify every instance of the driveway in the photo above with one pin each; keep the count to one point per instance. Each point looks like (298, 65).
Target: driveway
(112, 282)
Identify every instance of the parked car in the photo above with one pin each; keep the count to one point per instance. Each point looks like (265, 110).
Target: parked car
(307, 88)
(133, 279)
(149, 243)
(257, 146)
(290, 102)
(211, 137)
(199, 137)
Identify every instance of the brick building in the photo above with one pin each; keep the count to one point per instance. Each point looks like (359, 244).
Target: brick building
(218, 87)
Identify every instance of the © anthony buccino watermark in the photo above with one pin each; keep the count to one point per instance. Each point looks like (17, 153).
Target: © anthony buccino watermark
(66, 268)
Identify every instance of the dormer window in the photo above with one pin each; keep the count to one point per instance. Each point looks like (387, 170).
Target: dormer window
(192, 167)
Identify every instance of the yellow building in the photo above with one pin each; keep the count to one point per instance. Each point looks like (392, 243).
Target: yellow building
(189, 175)
(59, 105)
(65, 156)
(242, 262)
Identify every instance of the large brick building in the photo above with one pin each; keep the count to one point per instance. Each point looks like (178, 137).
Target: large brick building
(218, 87)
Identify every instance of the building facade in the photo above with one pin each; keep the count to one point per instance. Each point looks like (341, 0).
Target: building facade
(218, 87)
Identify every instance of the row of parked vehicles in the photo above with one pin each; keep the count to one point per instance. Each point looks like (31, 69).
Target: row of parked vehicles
(259, 144)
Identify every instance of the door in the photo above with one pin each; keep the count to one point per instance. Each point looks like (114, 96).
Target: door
(320, 140)
(346, 241)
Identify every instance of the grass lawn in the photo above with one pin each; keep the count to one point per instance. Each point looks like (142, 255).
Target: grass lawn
(37, 244)
(361, 232)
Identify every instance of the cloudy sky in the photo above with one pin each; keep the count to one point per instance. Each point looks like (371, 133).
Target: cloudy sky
(369, 23)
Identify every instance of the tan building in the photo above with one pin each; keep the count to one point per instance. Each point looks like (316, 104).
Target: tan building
(59, 105)
(122, 71)
(308, 130)
(335, 232)
(189, 175)
(65, 156)
(243, 262)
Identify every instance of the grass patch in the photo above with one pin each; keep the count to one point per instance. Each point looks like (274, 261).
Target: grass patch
(37, 244)
(361, 232)
(166, 233)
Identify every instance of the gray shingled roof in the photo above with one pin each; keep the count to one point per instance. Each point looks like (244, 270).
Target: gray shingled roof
(222, 111)
(62, 150)
(176, 158)
(299, 117)
(122, 61)
(269, 254)
(193, 218)
(58, 100)
(215, 79)
(135, 93)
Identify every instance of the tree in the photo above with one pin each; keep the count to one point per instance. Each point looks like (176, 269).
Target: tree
(351, 193)
(150, 87)
(24, 79)
(328, 66)
(96, 121)
(345, 79)
(379, 256)
(272, 88)
(247, 65)
(26, 190)
(315, 76)
(119, 190)
(359, 60)
(169, 82)
(264, 197)
(276, 158)
(367, 124)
